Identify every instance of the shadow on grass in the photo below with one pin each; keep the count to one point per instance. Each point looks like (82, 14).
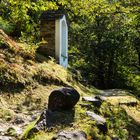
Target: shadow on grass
(64, 118)
(12, 88)
(134, 130)
(49, 120)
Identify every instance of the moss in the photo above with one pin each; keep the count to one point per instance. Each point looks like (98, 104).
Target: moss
(42, 136)
(6, 114)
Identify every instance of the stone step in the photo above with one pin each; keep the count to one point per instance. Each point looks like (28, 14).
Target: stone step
(90, 99)
(93, 100)
(100, 121)
(101, 98)
(113, 92)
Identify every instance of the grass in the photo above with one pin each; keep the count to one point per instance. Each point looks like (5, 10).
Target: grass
(6, 114)
(43, 136)
(28, 128)
(118, 123)
(129, 103)
(26, 81)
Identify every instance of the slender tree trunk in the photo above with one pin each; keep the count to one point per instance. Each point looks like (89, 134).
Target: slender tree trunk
(110, 71)
(139, 58)
(100, 76)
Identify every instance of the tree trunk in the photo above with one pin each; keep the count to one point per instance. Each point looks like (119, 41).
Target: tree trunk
(110, 72)
(139, 58)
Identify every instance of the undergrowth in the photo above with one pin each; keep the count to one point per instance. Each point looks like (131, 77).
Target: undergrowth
(118, 124)
(21, 67)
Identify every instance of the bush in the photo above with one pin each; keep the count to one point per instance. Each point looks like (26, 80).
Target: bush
(6, 26)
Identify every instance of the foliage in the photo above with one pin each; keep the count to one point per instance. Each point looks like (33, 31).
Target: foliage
(117, 121)
(28, 128)
(101, 41)
(20, 67)
(104, 47)
(103, 35)
(4, 24)
(118, 124)
(24, 16)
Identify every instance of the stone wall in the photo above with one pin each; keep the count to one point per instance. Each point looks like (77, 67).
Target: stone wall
(47, 32)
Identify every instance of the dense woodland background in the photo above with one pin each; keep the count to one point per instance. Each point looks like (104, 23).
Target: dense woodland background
(104, 36)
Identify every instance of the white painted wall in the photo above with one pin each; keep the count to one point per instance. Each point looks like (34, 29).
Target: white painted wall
(61, 41)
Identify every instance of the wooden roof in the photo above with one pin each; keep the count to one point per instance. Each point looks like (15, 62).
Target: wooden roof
(51, 15)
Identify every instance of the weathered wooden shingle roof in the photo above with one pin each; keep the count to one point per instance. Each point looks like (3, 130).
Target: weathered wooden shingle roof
(51, 15)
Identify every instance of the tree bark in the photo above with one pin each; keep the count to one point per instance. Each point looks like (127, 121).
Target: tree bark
(139, 58)
(110, 71)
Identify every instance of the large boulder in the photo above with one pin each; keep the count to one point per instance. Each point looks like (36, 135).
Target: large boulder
(77, 135)
(63, 99)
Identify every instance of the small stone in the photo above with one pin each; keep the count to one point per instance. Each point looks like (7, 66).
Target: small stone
(18, 120)
(64, 135)
(90, 99)
(114, 138)
(5, 138)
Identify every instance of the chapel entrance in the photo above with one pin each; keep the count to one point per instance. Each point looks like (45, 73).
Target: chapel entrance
(54, 33)
(64, 46)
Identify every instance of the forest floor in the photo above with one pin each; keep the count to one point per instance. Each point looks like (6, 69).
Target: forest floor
(21, 109)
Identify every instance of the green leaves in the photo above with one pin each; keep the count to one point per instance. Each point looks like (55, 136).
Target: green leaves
(102, 32)
(24, 13)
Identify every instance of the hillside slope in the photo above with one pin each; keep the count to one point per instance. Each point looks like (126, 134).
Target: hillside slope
(26, 81)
